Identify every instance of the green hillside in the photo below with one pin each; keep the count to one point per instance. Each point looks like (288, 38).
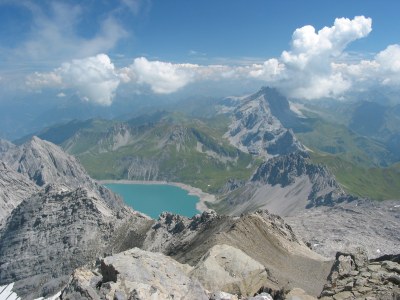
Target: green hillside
(336, 139)
(373, 183)
(170, 147)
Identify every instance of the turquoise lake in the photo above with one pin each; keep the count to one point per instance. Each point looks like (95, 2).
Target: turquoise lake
(153, 199)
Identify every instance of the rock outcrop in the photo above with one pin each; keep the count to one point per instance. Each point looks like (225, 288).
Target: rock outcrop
(263, 238)
(256, 127)
(227, 268)
(370, 224)
(55, 231)
(56, 218)
(14, 187)
(353, 276)
(285, 185)
(134, 274)
(45, 163)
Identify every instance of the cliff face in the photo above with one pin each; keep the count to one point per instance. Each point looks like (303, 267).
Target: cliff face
(54, 232)
(56, 218)
(14, 187)
(45, 163)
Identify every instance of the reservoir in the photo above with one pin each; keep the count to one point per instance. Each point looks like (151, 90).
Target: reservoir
(153, 199)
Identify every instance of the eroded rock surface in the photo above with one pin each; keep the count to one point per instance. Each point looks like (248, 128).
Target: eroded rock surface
(285, 185)
(256, 127)
(54, 232)
(369, 224)
(353, 276)
(14, 187)
(135, 274)
(262, 236)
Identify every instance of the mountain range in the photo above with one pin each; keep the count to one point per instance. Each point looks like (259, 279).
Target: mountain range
(230, 141)
(77, 238)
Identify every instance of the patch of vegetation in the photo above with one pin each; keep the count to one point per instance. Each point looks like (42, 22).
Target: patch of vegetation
(374, 183)
(167, 147)
(338, 140)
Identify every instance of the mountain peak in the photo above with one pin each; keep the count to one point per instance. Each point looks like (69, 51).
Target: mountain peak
(257, 128)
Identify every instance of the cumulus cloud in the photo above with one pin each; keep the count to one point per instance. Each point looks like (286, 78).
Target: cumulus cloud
(309, 63)
(162, 77)
(312, 68)
(94, 78)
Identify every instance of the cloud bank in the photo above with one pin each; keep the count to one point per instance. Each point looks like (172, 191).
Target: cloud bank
(94, 79)
(312, 68)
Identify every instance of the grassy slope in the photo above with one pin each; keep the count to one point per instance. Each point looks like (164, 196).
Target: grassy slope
(356, 161)
(183, 163)
(374, 183)
(338, 140)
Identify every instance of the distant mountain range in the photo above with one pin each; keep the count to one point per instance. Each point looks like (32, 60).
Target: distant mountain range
(234, 135)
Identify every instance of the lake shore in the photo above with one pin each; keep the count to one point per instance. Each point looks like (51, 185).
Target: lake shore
(203, 196)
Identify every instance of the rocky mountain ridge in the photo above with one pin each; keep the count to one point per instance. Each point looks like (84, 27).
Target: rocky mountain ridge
(45, 163)
(286, 185)
(60, 218)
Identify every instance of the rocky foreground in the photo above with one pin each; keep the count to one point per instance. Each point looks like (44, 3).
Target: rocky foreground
(137, 274)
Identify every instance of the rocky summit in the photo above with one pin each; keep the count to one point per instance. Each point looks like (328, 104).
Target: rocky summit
(257, 128)
(45, 163)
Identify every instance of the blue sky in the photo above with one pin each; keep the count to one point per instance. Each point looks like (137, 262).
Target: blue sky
(93, 47)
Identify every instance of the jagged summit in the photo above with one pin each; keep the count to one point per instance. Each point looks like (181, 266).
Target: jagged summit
(257, 125)
(286, 185)
(45, 163)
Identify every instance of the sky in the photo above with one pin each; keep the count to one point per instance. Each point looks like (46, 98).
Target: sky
(94, 48)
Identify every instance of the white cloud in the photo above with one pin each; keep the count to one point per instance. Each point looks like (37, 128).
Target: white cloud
(309, 63)
(270, 70)
(94, 78)
(389, 61)
(383, 70)
(56, 34)
(162, 77)
(314, 67)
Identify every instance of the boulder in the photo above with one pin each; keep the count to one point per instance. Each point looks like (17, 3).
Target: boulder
(231, 270)
(135, 274)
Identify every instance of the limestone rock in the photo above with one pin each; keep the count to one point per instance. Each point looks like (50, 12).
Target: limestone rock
(350, 280)
(262, 296)
(262, 236)
(135, 274)
(229, 269)
(54, 232)
(14, 187)
(370, 224)
(223, 296)
(256, 127)
(299, 294)
(45, 163)
(285, 185)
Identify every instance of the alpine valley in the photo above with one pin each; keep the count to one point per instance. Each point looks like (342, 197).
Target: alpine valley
(331, 173)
